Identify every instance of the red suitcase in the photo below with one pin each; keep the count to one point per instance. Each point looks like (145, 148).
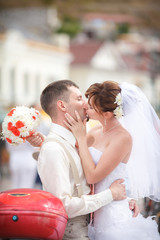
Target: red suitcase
(31, 213)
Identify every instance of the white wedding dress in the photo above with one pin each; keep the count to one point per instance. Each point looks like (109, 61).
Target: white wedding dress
(114, 221)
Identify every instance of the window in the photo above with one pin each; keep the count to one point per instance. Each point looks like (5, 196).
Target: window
(26, 84)
(12, 86)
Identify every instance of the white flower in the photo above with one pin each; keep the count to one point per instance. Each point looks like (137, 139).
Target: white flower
(19, 124)
(118, 99)
(118, 112)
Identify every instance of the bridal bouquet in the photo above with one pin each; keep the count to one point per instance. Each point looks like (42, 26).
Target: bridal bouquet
(19, 124)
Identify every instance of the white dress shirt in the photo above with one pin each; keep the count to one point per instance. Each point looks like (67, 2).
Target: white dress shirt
(56, 175)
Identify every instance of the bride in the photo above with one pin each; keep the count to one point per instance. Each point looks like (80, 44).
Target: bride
(125, 145)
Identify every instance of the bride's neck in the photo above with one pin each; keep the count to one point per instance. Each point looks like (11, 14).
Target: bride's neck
(109, 124)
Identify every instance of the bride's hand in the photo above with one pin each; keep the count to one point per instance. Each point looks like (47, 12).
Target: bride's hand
(77, 127)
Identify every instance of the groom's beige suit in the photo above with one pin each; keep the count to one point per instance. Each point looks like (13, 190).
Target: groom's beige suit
(57, 178)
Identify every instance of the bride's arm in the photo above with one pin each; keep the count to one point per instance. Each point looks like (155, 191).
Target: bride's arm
(111, 157)
(109, 160)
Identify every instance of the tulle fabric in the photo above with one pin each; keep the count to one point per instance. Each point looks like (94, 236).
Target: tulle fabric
(141, 120)
(137, 228)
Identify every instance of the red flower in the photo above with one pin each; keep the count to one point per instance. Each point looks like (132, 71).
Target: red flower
(15, 131)
(10, 125)
(34, 117)
(24, 139)
(9, 140)
(31, 132)
(19, 124)
(11, 112)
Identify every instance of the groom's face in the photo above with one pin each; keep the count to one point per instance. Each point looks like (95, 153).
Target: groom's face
(76, 102)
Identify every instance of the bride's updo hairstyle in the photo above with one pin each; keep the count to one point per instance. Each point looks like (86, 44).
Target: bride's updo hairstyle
(103, 96)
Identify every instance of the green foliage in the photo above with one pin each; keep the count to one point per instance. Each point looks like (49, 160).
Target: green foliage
(70, 26)
(123, 28)
(47, 2)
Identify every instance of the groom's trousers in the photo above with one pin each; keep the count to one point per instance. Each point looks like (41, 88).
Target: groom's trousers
(77, 228)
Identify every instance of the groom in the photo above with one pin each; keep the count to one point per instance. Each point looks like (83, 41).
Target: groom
(54, 164)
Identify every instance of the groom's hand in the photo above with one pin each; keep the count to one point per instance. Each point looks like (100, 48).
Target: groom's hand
(36, 139)
(118, 190)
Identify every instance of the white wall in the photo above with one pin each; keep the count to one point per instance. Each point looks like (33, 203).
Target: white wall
(26, 67)
(84, 76)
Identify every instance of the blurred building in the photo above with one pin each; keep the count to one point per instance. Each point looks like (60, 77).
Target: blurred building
(27, 66)
(128, 59)
(104, 25)
(31, 56)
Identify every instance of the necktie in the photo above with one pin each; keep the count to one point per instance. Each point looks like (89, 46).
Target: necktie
(76, 144)
(92, 213)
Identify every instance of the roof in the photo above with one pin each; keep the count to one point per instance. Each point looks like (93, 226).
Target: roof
(84, 52)
(124, 55)
(117, 18)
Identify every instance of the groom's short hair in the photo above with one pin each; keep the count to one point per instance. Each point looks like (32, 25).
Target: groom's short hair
(58, 90)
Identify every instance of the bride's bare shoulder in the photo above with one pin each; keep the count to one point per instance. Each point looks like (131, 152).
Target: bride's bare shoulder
(124, 137)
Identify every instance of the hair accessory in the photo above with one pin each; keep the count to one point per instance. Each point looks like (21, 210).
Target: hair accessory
(118, 112)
